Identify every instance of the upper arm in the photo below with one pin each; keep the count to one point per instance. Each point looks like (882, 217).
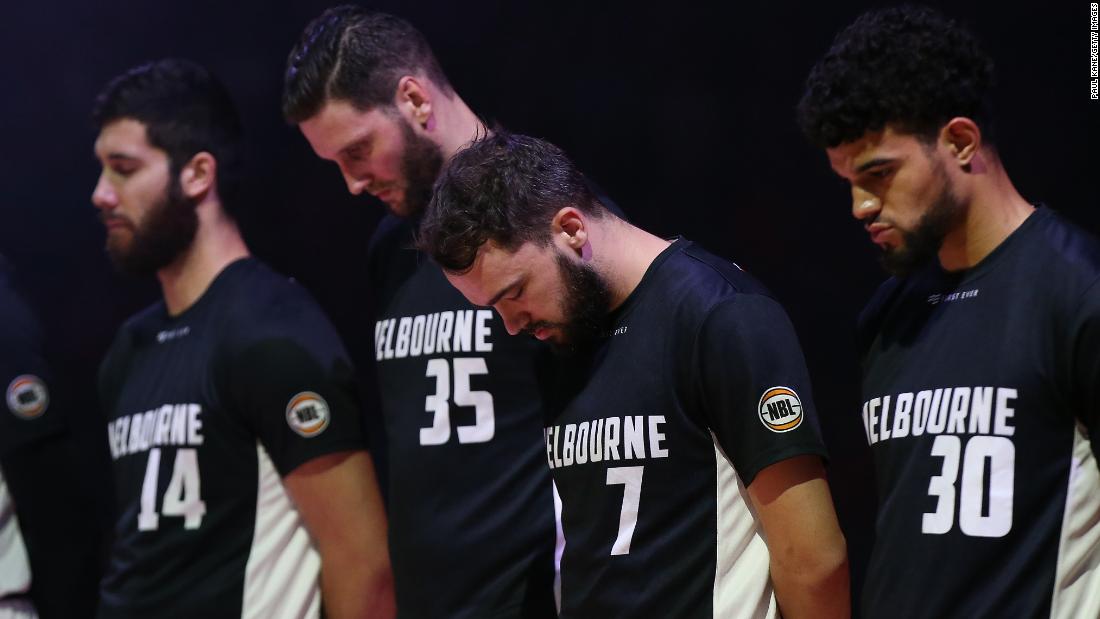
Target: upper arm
(30, 409)
(754, 385)
(795, 507)
(297, 396)
(337, 496)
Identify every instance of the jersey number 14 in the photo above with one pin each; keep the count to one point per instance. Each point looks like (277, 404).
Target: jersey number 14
(181, 497)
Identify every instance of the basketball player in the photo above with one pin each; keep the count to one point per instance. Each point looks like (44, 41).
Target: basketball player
(243, 486)
(981, 355)
(689, 462)
(471, 507)
(50, 538)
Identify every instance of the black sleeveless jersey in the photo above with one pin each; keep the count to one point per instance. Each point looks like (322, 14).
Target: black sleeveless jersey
(207, 410)
(471, 507)
(700, 384)
(981, 391)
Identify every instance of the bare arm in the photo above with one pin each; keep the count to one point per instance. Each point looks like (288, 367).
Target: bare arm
(337, 495)
(809, 558)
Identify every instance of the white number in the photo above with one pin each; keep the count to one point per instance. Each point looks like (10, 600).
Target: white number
(181, 498)
(437, 403)
(1001, 454)
(147, 519)
(631, 478)
(943, 486)
(440, 431)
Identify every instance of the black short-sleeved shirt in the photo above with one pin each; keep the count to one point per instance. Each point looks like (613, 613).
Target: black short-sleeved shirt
(207, 410)
(981, 390)
(699, 386)
(471, 509)
(26, 421)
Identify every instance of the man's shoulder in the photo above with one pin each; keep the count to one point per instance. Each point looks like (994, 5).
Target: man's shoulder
(706, 280)
(1064, 251)
(263, 302)
(392, 235)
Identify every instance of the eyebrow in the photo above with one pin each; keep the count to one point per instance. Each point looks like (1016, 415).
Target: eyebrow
(121, 157)
(356, 143)
(498, 296)
(873, 164)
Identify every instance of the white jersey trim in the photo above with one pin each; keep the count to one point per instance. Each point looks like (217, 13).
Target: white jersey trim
(559, 546)
(15, 569)
(282, 578)
(1077, 579)
(742, 574)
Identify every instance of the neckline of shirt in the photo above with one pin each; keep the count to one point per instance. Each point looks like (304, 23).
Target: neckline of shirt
(617, 315)
(990, 261)
(202, 301)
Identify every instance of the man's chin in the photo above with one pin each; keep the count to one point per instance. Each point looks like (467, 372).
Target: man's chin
(902, 261)
(400, 209)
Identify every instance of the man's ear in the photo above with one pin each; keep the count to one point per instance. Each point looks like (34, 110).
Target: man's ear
(570, 229)
(198, 176)
(413, 100)
(963, 138)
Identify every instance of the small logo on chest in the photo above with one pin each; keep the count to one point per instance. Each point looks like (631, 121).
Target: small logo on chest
(172, 334)
(936, 299)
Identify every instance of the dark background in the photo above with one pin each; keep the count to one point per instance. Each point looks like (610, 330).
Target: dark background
(682, 112)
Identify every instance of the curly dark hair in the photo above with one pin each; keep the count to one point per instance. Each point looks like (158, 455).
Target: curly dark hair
(352, 54)
(909, 67)
(503, 188)
(185, 110)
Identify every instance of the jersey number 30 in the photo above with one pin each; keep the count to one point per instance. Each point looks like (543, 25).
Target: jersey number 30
(181, 497)
(438, 402)
(980, 515)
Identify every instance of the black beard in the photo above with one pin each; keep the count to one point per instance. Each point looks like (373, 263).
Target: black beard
(165, 232)
(420, 163)
(923, 242)
(585, 306)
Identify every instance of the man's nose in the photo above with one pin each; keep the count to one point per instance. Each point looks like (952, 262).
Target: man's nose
(865, 205)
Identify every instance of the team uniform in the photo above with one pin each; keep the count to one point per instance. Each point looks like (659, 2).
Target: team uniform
(49, 540)
(471, 509)
(982, 389)
(699, 386)
(23, 421)
(207, 411)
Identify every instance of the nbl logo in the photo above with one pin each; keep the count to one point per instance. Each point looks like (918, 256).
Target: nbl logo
(307, 414)
(27, 396)
(780, 409)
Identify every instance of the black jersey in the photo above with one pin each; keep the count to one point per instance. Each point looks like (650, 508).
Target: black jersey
(981, 390)
(470, 499)
(207, 410)
(50, 526)
(700, 384)
(25, 421)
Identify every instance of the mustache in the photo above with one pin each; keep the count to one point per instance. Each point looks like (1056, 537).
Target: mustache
(106, 218)
(535, 326)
